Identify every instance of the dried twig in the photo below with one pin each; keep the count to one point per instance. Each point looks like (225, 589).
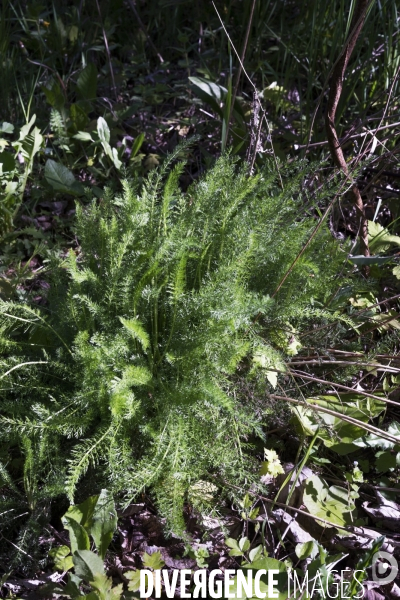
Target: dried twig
(333, 100)
(239, 71)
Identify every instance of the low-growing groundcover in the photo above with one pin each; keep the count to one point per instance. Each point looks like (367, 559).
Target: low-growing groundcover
(132, 374)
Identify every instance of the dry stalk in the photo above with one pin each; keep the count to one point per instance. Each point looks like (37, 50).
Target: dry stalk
(335, 92)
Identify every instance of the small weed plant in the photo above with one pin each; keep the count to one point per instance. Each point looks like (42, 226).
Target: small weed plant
(126, 377)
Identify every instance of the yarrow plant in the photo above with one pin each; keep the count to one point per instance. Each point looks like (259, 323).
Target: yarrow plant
(127, 376)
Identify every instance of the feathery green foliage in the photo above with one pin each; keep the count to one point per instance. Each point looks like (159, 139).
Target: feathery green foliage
(126, 377)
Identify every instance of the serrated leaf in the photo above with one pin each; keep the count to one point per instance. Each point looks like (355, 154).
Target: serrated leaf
(153, 561)
(272, 465)
(62, 558)
(254, 513)
(232, 543)
(134, 580)
(136, 329)
(103, 585)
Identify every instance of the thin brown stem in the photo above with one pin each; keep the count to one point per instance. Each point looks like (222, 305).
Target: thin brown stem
(239, 71)
(335, 93)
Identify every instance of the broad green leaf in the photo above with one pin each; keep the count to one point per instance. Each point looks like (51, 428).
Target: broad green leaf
(137, 145)
(255, 553)
(374, 441)
(77, 534)
(104, 522)
(87, 82)
(211, 93)
(115, 158)
(103, 130)
(7, 162)
(83, 136)
(61, 179)
(88, 565)
(385, 461)
(83, 513)
(232, 543)
(244, 544)
(25, 129)
(214, 95)
(31, 144)
(7, 127)
(394, 427)
(329, 503)
(73, 585)
(104, 136)
(337, 434)
(306, 549)
(369, 260)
